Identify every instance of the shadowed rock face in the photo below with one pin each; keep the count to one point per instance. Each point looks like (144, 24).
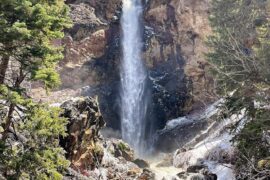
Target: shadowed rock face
(174, 32)
(187, 131)
(167, 140)
(179, 29)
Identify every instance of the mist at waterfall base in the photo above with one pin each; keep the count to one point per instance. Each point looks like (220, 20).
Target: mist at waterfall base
(134, 92)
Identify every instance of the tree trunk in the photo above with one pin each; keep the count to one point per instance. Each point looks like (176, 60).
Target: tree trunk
(12, 107)
(3, 68)
(8, 121)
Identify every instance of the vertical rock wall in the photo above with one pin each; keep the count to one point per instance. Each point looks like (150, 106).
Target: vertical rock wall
(174, 34)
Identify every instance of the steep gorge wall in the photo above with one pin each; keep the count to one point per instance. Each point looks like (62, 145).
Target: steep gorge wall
(180, 30)
(174, 35)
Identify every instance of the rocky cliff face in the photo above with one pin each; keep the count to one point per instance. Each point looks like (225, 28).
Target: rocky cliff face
(174, 34)
(175, 51)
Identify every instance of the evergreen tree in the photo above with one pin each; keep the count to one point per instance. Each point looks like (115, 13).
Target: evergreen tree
(239, 59)
(28, 29)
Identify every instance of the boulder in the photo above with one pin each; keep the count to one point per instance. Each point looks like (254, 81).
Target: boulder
(195, 168)
(146, 175)
(121, 149)
(222, 155)
(82, 144)
(196, 176)
(141, 163)
(116, 167)
(211, 176)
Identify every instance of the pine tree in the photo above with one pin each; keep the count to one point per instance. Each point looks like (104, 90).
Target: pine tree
(239, 49)
(28, 29)
(239, 59)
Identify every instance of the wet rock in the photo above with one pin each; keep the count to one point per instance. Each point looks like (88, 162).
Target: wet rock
(167, 140)
(182, 175)
(180, 28)
(83, 145)
(190, 129)
(122, 149)
(221, 155)
(141, 163)
(190, 176)
(116, 167)
(169, 90)
(196, 176)
(211, 176)
(71, 174)
(195, 168)
(146, 175)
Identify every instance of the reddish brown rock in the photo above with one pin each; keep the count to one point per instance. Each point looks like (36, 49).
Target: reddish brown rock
(181, 28)
(79, 52)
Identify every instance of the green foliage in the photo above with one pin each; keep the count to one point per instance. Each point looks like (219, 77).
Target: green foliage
(253, 147)
(39, 156)
(13, 97)
(29, 29)
(49, 76)
(239, 59)
(233, 58)
(251, 136)
(44, 121)
(239, 53)
(122, 146)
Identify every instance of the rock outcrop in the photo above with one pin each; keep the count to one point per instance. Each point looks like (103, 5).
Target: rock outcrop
(88, 42)
(83, 144)
(213, 151)
(188, 130)
(92, 156)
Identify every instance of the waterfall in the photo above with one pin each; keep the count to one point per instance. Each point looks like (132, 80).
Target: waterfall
(133, 77)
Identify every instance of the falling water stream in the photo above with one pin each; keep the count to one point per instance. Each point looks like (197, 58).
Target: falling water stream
(133, 77)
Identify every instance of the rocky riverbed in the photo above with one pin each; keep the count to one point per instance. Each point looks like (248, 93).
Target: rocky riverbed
(95, 154)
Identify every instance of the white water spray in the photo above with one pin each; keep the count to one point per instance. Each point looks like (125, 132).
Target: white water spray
(133, 77)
